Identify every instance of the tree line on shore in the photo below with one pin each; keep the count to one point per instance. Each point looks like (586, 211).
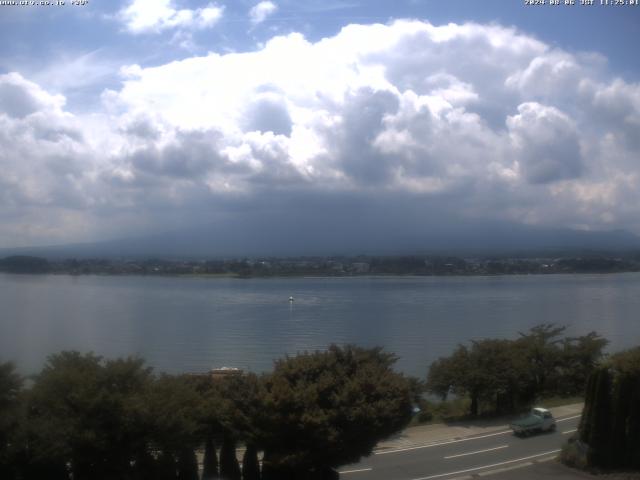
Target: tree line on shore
(441, 265)
(505, 376)
(84, 417)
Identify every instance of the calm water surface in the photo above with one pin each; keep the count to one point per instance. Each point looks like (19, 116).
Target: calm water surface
(193, 324)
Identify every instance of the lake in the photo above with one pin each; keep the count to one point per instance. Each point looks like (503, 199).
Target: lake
(190, 324)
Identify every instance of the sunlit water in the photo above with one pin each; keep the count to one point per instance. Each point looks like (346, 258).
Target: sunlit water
(193, 324)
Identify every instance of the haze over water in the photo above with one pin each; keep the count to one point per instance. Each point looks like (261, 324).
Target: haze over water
(193, 324)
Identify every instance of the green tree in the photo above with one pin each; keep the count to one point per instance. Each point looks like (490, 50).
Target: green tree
(579, 356)
(445, 373)
(506, 375)
(250, 464)
(600, 428)
(187, 464)
(611, 421)
(326, 409)
(146, 466)
(586, 420)
(237, 401)
(540, 347)
(622, 397)
(626, 362)
(210, 460)
(87, 413)
(489, 371)
(167, 468)
(626, 409)
(174, 412)
(10, 390)
(210, 427)
(229, 467)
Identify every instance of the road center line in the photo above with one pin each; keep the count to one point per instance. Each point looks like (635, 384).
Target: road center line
(442, 443)
(355, 471)
(478, 451)
(569, 431)
(487, 466)
(568, 418)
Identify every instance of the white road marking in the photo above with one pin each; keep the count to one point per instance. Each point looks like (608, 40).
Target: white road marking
(478, 451)
(568, 418)
(448, 442)
(487, 466)
(442, 443)
(503, 469)
(570, 431)
(355, 471)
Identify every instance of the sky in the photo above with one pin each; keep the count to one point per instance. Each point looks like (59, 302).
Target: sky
(126, 118)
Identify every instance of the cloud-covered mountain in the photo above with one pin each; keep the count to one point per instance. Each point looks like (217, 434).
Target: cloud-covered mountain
(283, 238)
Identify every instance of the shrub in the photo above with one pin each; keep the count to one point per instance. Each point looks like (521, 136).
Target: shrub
(573, 455)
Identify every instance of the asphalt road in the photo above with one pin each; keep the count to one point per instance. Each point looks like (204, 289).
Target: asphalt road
(461, 457)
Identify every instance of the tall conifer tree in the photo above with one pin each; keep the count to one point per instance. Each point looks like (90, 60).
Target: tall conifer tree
(210, 462)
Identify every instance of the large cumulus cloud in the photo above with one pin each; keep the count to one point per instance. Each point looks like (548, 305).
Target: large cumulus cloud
(464, 122)
(546, 142)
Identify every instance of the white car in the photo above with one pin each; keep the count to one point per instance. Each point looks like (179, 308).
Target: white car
(539, 420)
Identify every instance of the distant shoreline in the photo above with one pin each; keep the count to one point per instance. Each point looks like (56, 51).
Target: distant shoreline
(328, 267)
(225, 276)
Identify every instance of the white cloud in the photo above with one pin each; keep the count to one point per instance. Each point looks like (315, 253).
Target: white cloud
(441, 120)
(546, 74)
(261, 11)
(44, 160)
(19, 97)
(154, 16)
(546, 142)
